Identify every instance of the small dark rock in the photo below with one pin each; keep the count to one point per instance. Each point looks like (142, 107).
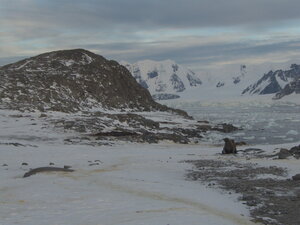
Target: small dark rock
(225, 128)
(24, 164)
(203, 121)
(296, 177)
(115, 133)
(81, 129)
(4, 164)
(240, 143)
(284, 153)
(295, 151)
(67, 167)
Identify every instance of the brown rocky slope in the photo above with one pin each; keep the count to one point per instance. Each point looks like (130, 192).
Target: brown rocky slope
(70, 81)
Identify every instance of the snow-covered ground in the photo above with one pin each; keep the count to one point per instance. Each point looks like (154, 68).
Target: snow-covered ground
(133, 184)
(121, 184)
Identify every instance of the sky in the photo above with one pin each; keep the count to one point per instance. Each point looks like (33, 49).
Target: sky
(200, 34)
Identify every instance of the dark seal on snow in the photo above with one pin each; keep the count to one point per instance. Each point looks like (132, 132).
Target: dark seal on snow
(229, 146)
(46, 169)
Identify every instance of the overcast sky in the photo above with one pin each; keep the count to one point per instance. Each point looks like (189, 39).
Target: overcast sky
(201, 34)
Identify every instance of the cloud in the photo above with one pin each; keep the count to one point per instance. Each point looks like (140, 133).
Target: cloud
(200, 33)
(92, 14)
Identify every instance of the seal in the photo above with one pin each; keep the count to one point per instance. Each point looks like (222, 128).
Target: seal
(46, 169)
(229, 146)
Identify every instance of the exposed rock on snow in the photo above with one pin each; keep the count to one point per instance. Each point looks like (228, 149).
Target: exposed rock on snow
(290, 88)
(296, 177)
(142, 127)
(284, 153)
(69, 81)
(271, 197)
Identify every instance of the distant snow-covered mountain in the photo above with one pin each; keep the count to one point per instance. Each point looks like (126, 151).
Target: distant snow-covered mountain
(168, 80)
(275, 82)
(163, 78)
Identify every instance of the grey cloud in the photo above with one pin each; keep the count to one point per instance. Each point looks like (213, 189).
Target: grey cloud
(207, 54)
(143, 14)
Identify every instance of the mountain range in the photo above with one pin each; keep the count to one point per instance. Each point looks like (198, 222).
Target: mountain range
(280, 83)
(168, 80)
(71, 80)
(164, 79)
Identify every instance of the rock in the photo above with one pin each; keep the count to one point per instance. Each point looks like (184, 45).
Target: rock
(240, 143)
(67, 167)
(135, 120)
(225, 128)
(296, 177)
(94, 164)
(4, 164)
(115, 134)
(71, 81)
(229, 146)
(46, 169)
(24, 164)
(284, 153)
(203, 121)
(295, 151)
(81, 129)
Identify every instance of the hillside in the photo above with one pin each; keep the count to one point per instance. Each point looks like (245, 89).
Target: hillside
(71, 80)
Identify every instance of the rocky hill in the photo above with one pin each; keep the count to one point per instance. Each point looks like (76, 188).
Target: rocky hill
(69, 81)
(276, 82)
(163, 78)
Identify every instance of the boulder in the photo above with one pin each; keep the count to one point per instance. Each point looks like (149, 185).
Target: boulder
(296, 177)
(295, 151)
(284, 153)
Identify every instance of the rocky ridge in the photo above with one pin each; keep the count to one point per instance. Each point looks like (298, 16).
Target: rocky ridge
(70, 81)
(279, 82)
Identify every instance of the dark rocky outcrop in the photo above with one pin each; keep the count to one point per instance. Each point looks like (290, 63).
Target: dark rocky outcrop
(296, 177)
(295, 151)
(290, 88)
(284, 153)
(70, 81)
(225, 128)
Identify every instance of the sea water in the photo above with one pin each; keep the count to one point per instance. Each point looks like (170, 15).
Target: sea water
(257, 123)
